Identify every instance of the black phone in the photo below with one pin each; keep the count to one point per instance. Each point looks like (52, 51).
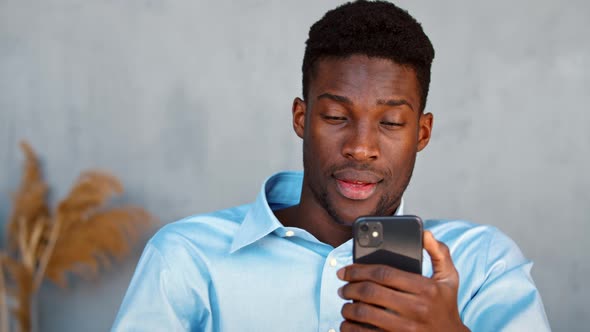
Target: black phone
(391, 240)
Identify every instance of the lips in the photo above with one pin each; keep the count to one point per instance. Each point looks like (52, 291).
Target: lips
(356, 185)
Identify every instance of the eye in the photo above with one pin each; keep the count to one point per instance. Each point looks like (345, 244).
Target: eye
(389, 124)
(334, 119)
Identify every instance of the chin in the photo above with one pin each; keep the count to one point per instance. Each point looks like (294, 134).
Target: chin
(345, 211)
(349, 210)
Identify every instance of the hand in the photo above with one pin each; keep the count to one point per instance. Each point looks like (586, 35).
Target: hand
(395, 300)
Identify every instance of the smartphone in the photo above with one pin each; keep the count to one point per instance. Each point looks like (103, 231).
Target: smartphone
(391, 240)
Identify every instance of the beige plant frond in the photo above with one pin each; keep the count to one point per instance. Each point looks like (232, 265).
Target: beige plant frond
(4, 290)
(23, 278)
(29, 201)
(90, 192)
(30, 240)
(81, 237)
(34, 244)
(88, 246)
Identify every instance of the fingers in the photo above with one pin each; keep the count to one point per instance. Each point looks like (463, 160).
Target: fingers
(349, 326)
(384, 275)
(358, 314)
(404, 304)
(392, 299)
(442, 263)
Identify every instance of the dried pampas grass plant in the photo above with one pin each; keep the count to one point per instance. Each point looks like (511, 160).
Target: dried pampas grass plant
(80, 237)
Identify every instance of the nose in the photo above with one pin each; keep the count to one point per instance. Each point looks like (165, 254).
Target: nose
(361, 143)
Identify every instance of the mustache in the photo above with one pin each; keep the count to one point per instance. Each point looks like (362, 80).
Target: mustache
(351, 165)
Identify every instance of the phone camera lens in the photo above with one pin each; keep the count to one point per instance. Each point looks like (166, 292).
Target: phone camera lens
(364, 228)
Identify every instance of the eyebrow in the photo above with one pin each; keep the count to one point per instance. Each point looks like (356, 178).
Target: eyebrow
(340, 99)
(394, 102)
(345, 100)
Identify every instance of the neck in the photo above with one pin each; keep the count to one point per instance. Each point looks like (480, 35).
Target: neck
(312, 217)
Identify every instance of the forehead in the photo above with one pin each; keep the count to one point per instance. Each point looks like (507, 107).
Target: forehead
(365, 79)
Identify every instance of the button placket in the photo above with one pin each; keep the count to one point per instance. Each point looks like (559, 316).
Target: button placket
(333, 262)
(330, 302)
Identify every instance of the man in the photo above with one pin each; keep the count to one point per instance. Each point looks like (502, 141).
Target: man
(284, 262)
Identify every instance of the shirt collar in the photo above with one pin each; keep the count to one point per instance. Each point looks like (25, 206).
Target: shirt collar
(279, 191)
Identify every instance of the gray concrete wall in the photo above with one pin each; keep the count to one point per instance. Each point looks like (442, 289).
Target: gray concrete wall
(189, 103)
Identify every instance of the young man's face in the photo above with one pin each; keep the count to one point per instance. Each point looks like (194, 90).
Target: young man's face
(361, 128)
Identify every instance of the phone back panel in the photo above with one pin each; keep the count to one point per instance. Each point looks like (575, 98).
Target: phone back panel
(401, 246)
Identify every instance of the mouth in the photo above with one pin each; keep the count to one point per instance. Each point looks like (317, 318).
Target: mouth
(356, 185)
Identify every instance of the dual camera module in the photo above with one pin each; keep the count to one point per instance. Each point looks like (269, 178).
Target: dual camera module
(370, 234)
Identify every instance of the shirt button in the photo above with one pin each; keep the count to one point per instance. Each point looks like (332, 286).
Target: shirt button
(289, 233)
(333, 262)
(331, 330)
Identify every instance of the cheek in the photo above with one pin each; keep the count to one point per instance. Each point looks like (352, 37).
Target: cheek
(400, 153)
(322, 143)
(400, 141)
(315, 156)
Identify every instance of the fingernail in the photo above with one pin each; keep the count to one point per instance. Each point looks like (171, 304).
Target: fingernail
(340, 273)
(340, 292)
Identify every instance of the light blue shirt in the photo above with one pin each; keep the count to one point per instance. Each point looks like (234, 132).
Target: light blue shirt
(240, 269)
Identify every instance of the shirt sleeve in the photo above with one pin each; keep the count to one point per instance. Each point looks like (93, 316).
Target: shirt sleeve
(508, 299)
(161, 297)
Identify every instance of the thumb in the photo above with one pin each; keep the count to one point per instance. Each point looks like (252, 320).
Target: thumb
(442, 263)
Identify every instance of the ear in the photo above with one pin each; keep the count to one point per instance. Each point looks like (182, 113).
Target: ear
(424, 130)
(299, 109)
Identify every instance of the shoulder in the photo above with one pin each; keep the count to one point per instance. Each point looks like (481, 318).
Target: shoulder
(453, 231)
(461, 232)
(496, 291)
(473, 242)
(202, 232)
(454, 228)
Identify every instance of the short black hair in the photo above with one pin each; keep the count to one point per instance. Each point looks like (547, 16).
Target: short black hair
(372, 28)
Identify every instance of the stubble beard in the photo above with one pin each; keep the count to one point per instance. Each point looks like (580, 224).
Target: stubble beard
(387, 204)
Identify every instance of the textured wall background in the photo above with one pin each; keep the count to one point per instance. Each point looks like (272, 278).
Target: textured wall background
(189, 103)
